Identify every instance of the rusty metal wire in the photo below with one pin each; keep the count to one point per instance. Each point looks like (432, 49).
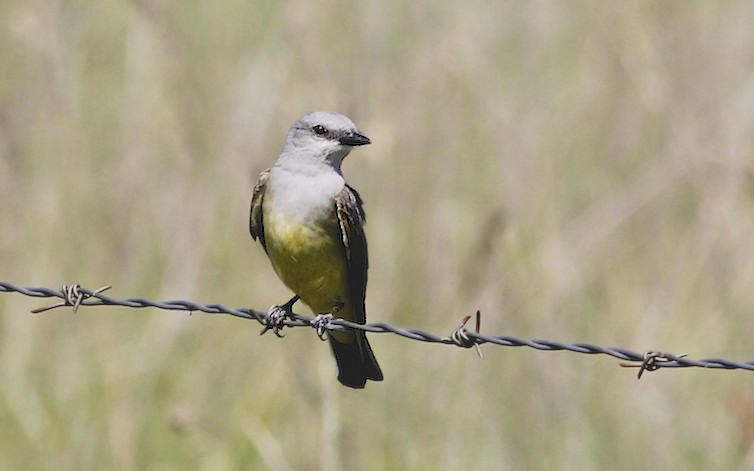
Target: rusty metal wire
(75, 296)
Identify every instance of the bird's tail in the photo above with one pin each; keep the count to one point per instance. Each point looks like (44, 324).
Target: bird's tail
(356, 361)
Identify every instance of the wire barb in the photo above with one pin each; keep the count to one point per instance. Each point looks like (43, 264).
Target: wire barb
(652, 361)
(96, 298)
(72, 296)
(460, 336)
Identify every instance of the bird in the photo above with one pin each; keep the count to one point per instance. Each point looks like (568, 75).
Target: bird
(310, 223)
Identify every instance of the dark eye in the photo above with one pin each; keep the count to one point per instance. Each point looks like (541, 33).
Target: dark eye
(319, 129)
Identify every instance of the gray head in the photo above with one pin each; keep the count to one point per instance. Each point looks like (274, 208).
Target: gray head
(323, 135)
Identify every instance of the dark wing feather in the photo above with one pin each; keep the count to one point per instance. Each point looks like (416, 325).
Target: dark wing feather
(351, 218)
(256, 224)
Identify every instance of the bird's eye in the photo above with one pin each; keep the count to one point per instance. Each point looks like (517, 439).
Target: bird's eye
(319, 129)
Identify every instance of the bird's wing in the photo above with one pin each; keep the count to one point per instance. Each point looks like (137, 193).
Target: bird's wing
(256, 224)
(351, 219)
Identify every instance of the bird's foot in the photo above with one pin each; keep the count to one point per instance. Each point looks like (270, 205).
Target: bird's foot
(320, 323)
(276, 315)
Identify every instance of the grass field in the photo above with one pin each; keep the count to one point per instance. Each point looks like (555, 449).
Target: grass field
(582, 172)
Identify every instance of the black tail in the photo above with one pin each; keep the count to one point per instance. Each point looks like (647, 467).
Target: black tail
(356, 362)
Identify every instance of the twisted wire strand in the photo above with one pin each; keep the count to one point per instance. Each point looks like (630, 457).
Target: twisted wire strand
(648, 361)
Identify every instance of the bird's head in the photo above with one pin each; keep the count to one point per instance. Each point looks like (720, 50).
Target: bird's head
(324, 135)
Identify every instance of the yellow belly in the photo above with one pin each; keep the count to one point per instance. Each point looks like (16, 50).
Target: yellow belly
(309, 259)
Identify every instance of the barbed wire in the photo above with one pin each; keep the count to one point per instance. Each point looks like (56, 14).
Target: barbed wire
(76, 296)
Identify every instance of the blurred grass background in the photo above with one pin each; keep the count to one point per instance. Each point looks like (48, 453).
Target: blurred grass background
(579, 172)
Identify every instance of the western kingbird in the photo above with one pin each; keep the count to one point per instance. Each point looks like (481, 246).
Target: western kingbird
(311, 225)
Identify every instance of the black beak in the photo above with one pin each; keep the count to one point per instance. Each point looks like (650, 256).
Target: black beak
(354, 139)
